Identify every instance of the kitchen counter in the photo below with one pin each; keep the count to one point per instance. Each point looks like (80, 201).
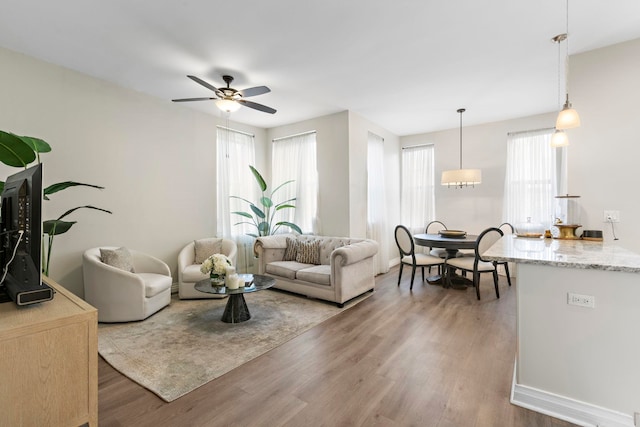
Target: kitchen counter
(577, 311)
(581, 254)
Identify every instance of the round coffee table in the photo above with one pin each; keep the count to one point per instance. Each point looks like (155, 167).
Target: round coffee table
(236, 310)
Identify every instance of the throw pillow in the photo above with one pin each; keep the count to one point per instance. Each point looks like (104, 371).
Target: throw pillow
(291, 252)
(309, 252)
(204, 248)
(120, 258)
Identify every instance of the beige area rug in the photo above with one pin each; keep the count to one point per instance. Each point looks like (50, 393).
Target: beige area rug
(186, 345)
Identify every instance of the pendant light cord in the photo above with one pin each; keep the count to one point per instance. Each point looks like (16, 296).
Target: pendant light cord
(461, 110)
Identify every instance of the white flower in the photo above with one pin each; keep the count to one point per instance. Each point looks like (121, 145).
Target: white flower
(216, 263)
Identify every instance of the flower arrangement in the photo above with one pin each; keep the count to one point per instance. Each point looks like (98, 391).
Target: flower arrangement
(215, 264)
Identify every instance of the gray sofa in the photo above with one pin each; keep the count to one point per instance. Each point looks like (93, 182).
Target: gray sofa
(343, 271)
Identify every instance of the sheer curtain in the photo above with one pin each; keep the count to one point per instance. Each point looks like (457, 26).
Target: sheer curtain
(418, 191)
(377, 225)
(535, 174)
(235, 152)
(294, 158)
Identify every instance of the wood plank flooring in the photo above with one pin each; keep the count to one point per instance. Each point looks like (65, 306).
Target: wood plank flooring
(428, 357)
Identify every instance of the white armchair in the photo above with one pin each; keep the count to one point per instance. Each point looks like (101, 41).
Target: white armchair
(189, 269)
(123, 296)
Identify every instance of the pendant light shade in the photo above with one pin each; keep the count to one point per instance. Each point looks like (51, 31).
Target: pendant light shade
(568, 118)
(461, 177)
(559, 139)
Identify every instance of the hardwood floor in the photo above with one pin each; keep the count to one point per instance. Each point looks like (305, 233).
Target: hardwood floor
(430, 357)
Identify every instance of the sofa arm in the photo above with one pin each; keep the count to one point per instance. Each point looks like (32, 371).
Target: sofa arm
(353, 253)
(277, 241)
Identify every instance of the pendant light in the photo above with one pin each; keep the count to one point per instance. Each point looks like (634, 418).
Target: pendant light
(459, 178)
(568, 117)
(559, 137)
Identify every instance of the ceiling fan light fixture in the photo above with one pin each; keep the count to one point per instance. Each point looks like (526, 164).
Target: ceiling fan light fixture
(227, 105)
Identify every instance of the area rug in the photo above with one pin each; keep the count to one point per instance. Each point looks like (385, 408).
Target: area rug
(186, 345)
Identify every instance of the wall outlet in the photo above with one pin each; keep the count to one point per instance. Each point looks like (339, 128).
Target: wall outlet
(581, 300)
(611, 216)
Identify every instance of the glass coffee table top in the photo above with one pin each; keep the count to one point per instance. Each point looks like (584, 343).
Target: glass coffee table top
(236, 310)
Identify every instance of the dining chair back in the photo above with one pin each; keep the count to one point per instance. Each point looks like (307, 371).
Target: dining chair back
(478, 264)
(433, 228)
(507, 229)
(408, 255)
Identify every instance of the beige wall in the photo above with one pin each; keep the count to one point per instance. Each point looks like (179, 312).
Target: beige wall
(332, 144)
(155, 158)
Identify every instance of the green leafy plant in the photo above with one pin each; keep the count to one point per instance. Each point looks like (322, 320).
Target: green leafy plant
(262, 217)
(20, 151)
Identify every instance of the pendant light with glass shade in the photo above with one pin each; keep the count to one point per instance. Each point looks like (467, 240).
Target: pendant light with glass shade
(459, 178)
(568, 117)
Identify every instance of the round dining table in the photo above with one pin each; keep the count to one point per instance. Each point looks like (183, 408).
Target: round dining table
(451, 245)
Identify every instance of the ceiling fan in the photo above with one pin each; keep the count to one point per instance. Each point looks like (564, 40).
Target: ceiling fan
(229, 99)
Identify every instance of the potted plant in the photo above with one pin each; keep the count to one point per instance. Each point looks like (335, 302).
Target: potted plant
(262, 217)
(20, 151)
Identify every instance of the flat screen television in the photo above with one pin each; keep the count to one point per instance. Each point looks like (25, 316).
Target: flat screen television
(21, 238)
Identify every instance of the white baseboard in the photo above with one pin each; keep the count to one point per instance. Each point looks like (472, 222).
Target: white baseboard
(564, 408)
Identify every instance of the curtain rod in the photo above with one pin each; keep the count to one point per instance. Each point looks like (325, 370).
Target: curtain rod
(527, 131)
(292, 136)
(236, 130)
(419, 145)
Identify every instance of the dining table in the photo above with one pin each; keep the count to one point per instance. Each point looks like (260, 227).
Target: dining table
(451, 243)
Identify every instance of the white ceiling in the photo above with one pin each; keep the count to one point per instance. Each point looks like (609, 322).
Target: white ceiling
(405, 65)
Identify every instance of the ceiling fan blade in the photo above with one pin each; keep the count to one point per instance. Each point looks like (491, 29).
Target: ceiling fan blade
(203, 83)
(256, 106)
(253, 91)
(192, 99)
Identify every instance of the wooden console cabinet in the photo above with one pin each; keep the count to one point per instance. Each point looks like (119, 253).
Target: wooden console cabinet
(49, 362)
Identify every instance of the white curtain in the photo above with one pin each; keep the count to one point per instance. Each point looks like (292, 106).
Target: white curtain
(377, 225)
(418, 192)
(235, 152)
(294, 158)
(535, 174)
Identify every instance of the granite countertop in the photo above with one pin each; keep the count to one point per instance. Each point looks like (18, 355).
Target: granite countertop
(581, 254)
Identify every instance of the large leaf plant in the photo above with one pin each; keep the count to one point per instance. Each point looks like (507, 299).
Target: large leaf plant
(21, 151)
(263, 213)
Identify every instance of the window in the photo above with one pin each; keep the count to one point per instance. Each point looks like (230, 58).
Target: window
(294, 159)
(377, 226)
(418, 193)
(535, 174)
(235, 152)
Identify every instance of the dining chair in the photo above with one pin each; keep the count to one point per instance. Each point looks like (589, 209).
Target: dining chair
(477, 264)
(408, 255)
(507, 229)
(433, 228)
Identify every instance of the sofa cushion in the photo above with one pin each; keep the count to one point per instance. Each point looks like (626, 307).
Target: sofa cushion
(192, 274)
(204, 248)
(286, 269)
(291, 252)
(119, 258)
(309, 252)
(155, 284)
(320, 274)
